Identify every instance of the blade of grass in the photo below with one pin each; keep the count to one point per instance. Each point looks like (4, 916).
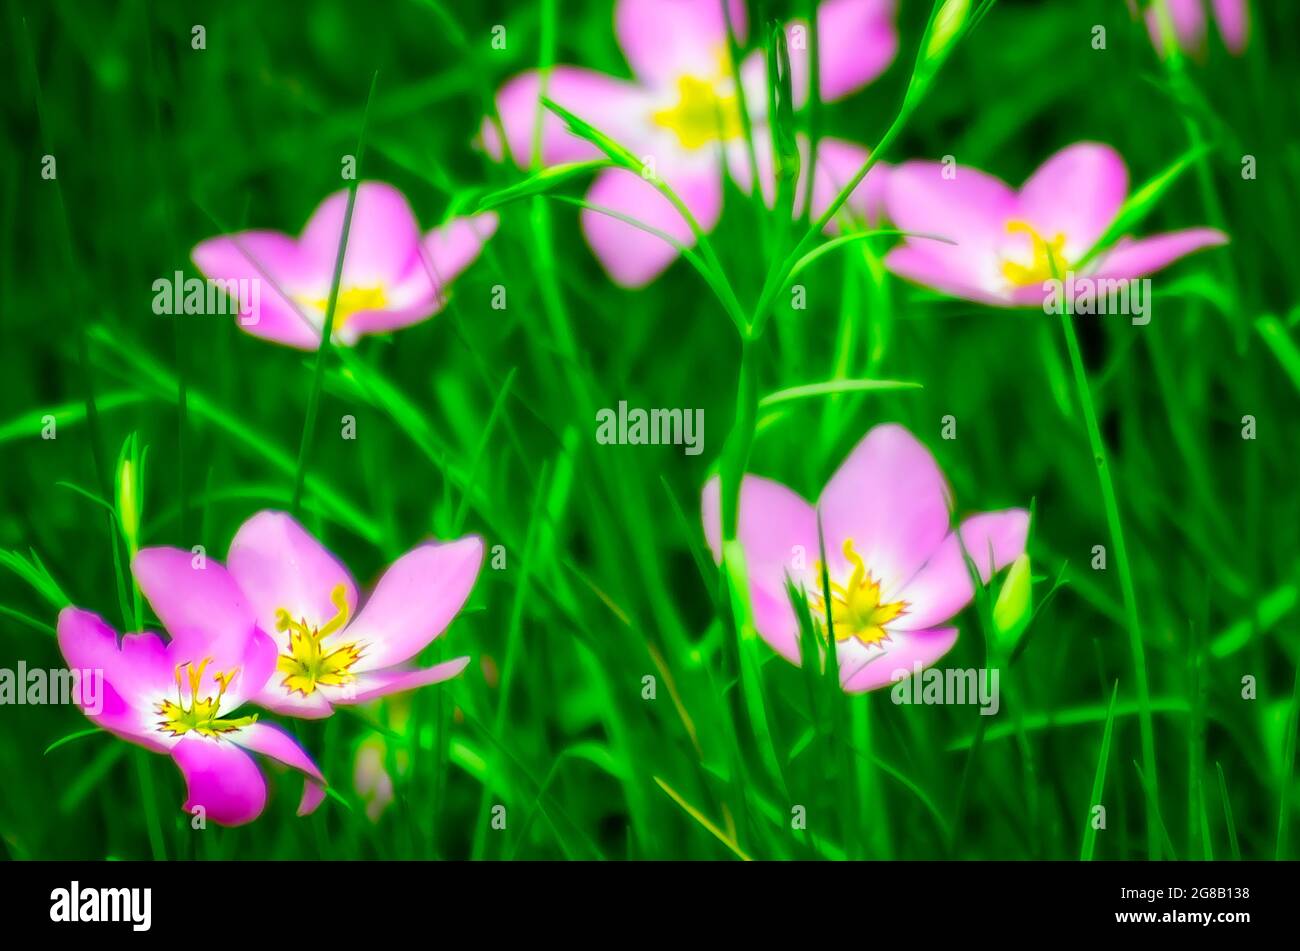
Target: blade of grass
(1227, 814)
(1098, 780)
(318, 375)
(1128, 591)
(703, 820)
(831, 387)
(63, 740)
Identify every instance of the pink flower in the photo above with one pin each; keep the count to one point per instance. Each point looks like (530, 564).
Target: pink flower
(681, 116)
(1187, 17)
(1008, 239)
(178, 698)
(895, 563)
(391, 276)
(280, 579)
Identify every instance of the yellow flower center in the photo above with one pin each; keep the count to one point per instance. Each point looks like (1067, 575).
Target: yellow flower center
(701, 115)
(1045, 256)
(352, 300)
(856, 610)
(309, 662)
(202, 713)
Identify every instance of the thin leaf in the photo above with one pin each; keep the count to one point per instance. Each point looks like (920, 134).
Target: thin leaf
(830, 387)
(703, 820)
(1099, 780)
(541, 183)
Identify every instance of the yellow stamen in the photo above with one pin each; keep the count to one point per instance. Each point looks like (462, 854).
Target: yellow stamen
(1045, 256)
(701, 115)
(309, 663)
(202, 714)
(351, 300)
(856, 611)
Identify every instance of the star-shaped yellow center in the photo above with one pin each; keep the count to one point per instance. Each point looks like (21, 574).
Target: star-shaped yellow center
(1044, 256)
(310, 662)
(352, 300)
(856, 609)
(702, 114)
(199, 714)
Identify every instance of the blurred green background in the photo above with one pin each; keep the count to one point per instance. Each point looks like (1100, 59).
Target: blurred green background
(483, 420)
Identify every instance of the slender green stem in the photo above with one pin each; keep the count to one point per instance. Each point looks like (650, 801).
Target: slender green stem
(813, 108)
(624, 157)
(318, 376)
(1127, 590)
(777, 276)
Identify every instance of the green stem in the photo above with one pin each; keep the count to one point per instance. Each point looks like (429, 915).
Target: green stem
(1111, 504)
(777, 276)
(813, 109)
(318, 376)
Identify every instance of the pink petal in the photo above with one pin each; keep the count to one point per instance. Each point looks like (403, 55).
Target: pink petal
(972, 209)
(856, 42)
(753, 84)
(1188, 19)
(279, 565)
(274, 697)
(399, 314)
(775, 620)
(200, 604)
(943, 271)
(741, 169)
(666, 39)
(1233, 17)
(905, 649)
(129, 723)
(137, 669)
(1077, 192)
(1137, 257)
(275, 263)
(778, 530)
(273, 742)
(414, 601)
(313, 794)
(454, 246)
(381, 683)
(422, 291)
(221, 778)
(382, 239)
(614, 106)
(776, 526)
(943, 586)
(130, 677)
(631, 256)
(890, 498)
